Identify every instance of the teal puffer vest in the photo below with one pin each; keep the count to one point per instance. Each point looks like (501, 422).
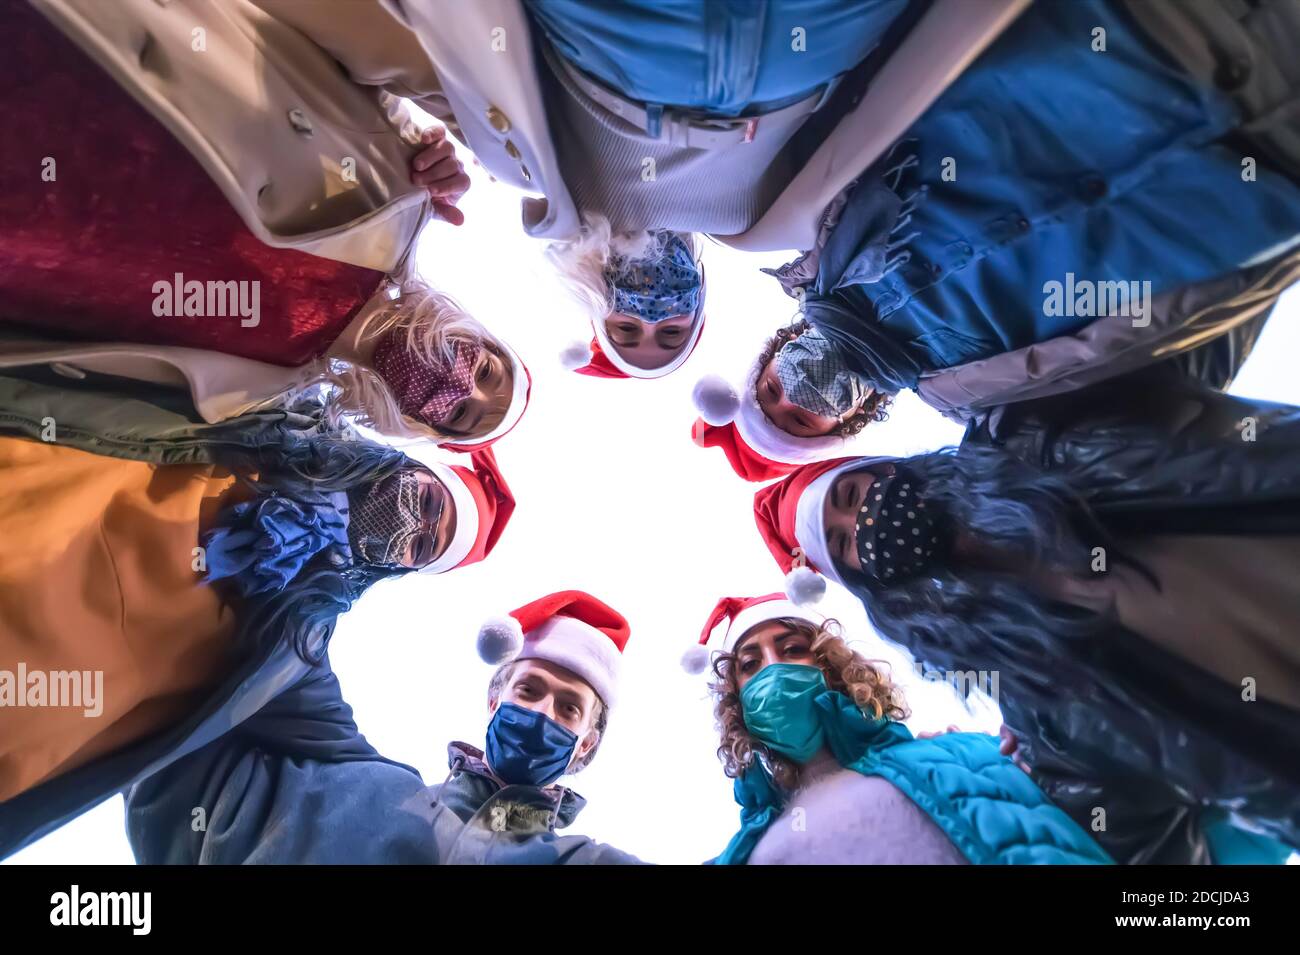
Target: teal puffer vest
(988, 807)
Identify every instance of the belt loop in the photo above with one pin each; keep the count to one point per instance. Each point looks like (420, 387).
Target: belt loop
(654, 119)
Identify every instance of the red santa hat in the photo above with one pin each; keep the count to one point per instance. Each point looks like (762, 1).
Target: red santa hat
(523, 388)
(756, 448)
(483, 504)
(790, 520)
(571, 629)
(742, 615)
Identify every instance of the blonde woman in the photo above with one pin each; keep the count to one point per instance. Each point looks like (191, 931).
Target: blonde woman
(643, 293)
(826, 773)
(177, 281)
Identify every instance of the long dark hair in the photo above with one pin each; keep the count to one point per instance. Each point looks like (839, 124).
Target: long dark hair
(964, 614)
(304, 613)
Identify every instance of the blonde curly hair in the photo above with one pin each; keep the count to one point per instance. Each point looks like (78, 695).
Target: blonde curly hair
(865, 682)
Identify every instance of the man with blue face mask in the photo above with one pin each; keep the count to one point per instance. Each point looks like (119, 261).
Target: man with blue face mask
(297, 782)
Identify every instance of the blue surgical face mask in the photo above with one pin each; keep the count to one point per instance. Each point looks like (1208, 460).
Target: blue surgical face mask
(815, 377)
(528, 748)
(780, 708)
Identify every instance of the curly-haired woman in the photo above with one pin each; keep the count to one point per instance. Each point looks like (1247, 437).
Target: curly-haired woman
(826, 772)
(800, 403)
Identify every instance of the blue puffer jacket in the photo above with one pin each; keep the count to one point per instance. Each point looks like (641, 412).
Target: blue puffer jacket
(986, 806)
(1046, 162)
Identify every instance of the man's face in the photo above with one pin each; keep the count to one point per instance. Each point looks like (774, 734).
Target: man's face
(847, 497)
(557, 693)
(648, 345)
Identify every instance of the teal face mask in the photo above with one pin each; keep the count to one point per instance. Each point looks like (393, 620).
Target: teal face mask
(779, 707)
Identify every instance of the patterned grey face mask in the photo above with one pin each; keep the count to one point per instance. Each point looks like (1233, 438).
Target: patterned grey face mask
(814, 377)
(385, 518)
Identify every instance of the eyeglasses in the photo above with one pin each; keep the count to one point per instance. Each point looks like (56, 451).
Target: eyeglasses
(424, 542)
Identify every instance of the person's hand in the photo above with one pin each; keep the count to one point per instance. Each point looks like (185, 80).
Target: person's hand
(436, 168)
(931, 734)
(1009, 746)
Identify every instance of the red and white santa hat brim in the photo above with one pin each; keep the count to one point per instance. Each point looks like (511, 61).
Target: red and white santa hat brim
(570, 629)
(522, 383)
(742, 614)
(756, 448)
(770, 441)
(483, 502)
(810, 520)
(790, 519)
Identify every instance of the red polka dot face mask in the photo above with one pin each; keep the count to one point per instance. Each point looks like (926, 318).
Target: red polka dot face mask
(424, 392)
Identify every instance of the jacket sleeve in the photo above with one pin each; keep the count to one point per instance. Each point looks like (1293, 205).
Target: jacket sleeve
(1209, 327)
(372, 46)
(296, 783)
(1160, 447)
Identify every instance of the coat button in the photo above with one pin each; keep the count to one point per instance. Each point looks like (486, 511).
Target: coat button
(299, 121)
(498, 120)
(512, 150)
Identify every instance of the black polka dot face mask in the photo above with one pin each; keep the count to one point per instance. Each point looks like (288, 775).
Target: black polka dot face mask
(898, 535)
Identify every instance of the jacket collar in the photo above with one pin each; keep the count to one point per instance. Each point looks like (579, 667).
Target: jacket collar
(473, 783)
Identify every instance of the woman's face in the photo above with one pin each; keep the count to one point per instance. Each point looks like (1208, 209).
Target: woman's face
(485, 406)
(437, 523)
(648, 345)
(783, 413)
(847, 498)
(768, 643)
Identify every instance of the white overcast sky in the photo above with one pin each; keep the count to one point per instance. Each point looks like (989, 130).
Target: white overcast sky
(616, 500)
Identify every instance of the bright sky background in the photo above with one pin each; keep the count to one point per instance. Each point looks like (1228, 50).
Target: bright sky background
(616, 500)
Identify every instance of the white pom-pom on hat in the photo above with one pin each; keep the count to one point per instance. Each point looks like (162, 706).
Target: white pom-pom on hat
(576, 355)
(499, 640)
(716, 400)
(696, 659)
(804, 586)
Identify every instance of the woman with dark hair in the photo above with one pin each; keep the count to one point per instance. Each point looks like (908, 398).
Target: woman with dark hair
(827, 773)
(1126, 560)
(171, 571)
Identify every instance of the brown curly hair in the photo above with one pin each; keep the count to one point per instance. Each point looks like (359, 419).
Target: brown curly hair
(846, 670)
(875, 408)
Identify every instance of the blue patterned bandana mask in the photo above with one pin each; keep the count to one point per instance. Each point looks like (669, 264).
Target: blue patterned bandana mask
(665, 284)
(815, 377)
